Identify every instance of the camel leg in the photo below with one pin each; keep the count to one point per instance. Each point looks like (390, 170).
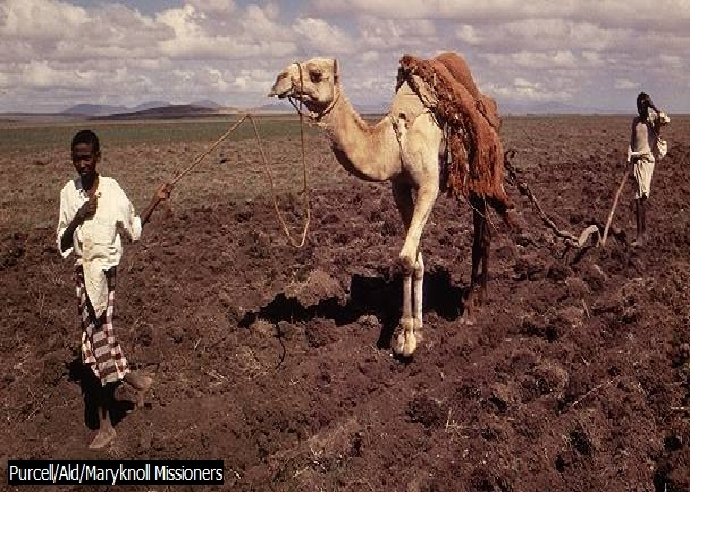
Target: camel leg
(419, 156)
(405, 339)
(411, 260)
(480, 254)
(418, 273)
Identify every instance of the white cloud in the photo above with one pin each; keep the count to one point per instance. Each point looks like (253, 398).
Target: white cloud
(388, 34)
(213, 6)
(40, 74)
(206, 35)
(591, 59)
(672, 61)
(626, 84)
(536, 60)
(525, 90)
(369, 57)
(320, 36)
(469, 34)
(525, 85)
(550, 34)
(44, 20)
(655, 13)
(57, 52)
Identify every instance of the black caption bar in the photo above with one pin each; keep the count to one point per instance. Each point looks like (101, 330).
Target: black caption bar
(115, 472)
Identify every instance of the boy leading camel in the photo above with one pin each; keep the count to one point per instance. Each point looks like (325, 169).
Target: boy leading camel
(92, 210)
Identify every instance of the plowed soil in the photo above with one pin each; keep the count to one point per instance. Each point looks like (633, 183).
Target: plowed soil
(574, 376)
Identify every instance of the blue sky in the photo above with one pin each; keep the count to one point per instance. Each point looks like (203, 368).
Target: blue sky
(528, 54)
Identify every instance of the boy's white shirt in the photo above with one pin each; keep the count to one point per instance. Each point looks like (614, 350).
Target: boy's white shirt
(97, 241)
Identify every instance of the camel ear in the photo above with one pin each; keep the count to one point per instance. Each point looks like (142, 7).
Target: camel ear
(336, 69)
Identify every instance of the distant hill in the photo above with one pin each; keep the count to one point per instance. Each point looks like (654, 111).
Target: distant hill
(275, 107)
(171, 112)
(88, 109)
(150, 105)
(206, 103)
(206, 107)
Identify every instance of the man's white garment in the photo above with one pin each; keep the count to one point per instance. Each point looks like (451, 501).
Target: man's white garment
(645, 146)
(96, 241)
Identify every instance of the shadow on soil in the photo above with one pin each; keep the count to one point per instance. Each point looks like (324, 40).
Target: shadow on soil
(91, 390)
(369, 295)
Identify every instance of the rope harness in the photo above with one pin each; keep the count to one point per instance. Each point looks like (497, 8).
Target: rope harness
(510, 170)
(268, 173)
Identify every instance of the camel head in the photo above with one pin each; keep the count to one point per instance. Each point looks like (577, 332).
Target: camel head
(314, 82)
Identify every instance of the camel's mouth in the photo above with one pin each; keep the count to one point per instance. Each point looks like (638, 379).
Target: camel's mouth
(289, 91)
(280, 94)
(286, 86)
(282, 87)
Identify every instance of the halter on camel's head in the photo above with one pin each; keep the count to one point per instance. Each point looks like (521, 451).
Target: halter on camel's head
(314, 83)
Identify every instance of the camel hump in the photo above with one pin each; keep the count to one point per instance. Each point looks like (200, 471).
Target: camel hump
(458, 68)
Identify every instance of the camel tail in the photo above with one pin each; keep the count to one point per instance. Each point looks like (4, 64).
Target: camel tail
(495, 194)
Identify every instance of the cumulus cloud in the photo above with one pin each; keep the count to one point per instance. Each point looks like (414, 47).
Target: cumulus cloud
(58, 52)
(369, 57)
(537, 60)
(522, 90)
(551, 34)
(388, 34)
(202, 35)
(319, 35)
(626, 84)
(214, 6)
(658, 13)
(41, 20)
(40, 74)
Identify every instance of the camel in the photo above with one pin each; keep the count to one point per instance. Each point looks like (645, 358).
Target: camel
(404, 148)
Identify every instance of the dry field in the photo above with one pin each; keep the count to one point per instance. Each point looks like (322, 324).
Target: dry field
(575, 377)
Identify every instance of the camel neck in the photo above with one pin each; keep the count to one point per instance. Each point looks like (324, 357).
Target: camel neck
(368, 151)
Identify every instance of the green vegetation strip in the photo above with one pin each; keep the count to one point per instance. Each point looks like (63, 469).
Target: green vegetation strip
(18, 135)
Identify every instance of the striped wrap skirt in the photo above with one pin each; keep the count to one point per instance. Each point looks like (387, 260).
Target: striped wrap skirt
(100, 348)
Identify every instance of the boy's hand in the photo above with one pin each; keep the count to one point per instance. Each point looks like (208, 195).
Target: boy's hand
(87, 210)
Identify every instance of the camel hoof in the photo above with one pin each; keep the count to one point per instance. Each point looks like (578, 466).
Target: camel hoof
(405, 343)
(410, 345)
(467, 320)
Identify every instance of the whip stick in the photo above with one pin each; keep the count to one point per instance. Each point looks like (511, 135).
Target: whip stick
(612, 210)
